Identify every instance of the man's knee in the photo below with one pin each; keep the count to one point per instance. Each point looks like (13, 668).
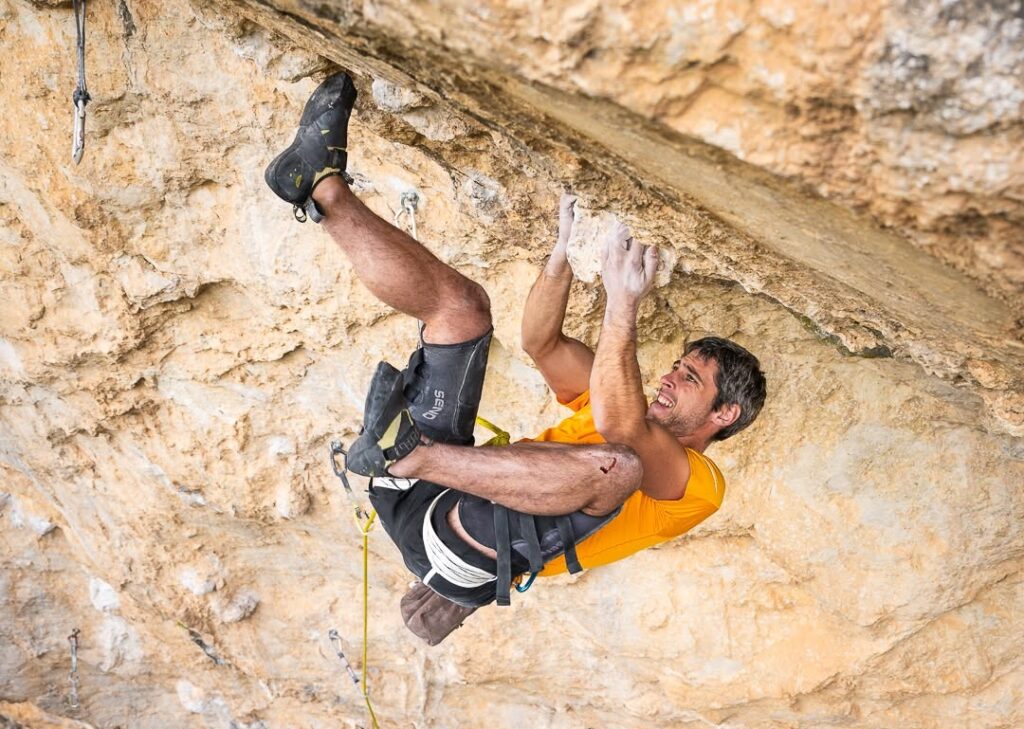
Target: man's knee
(471, 299)
(621, 473)
(463, 312)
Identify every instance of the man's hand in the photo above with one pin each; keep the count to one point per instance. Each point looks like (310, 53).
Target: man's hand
(564, 362)
(627, 269)
(616, 389)
(558, 263)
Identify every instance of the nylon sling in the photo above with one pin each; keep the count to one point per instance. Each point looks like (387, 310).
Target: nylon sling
(565, 531)
(528, 528)
(503, 546)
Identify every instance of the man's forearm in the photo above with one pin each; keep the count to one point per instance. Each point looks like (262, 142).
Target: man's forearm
(536, 478)
(544, 313)
(616, 389)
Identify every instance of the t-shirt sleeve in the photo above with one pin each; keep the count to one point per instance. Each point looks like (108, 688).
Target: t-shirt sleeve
(682, 515)
(704, 493)
(578, 402)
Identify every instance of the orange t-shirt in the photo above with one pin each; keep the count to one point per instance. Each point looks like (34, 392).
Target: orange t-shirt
(643, 521)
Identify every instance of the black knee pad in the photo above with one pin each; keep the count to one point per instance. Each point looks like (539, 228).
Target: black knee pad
(444, 383)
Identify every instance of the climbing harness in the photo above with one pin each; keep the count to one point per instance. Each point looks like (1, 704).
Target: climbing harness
(73, 673)
(502, 438)
(409, 202)
(81, 95)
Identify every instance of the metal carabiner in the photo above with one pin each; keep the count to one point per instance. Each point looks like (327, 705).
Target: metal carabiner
(342, 473)
(529, 582)
(408, 203)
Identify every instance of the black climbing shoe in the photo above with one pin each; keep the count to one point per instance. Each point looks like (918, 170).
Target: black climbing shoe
(389, 433)
(319, 149)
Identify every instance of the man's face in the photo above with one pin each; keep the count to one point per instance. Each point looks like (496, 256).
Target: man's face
(683, 403)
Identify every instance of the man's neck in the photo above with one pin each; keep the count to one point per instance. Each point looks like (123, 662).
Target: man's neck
(694, 442)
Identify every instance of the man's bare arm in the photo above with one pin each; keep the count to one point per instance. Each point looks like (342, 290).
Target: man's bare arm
(616, 388)
(536, 478)
(564, 362)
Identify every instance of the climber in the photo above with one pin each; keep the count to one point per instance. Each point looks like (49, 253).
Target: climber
(618, 475)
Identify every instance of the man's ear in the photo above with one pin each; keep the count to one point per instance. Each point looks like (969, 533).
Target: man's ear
(726, 415)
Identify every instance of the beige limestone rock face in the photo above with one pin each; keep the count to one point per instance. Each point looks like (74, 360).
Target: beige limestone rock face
(911, 110)
(588, 242)
(176, 354)
(861, 284)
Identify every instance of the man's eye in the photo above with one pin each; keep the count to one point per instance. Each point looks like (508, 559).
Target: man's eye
(690, 378)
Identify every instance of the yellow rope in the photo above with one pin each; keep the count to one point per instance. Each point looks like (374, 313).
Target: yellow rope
(365, 529)
(501, 438)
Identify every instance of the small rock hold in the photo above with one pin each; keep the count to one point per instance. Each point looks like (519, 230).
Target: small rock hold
(483, 191)
(291, 500)
(203, 576)
(102, 596)
(23, 519)
(238, 608)
(394, 98)
(191, 696)
(586, 247)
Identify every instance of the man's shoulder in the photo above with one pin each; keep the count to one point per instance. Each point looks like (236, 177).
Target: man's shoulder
(706, 479)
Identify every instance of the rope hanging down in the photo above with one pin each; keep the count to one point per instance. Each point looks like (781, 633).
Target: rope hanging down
(81, 96)
(364, 520)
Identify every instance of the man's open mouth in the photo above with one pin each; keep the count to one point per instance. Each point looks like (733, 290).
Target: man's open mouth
(663, 401)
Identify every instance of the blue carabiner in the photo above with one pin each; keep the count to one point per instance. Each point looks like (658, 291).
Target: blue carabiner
(524, 588)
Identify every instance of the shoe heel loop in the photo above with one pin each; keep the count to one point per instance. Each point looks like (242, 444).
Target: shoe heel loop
(313, 211)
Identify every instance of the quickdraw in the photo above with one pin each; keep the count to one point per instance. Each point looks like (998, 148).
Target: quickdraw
(73, 673)
(364, 520)
(81, 95)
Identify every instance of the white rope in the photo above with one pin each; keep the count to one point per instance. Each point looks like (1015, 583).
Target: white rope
(445, 562)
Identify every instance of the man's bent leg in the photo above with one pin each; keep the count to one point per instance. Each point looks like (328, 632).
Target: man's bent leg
(546, 479)
(400, 271)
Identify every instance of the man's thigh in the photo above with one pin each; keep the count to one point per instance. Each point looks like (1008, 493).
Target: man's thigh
(445, 385)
